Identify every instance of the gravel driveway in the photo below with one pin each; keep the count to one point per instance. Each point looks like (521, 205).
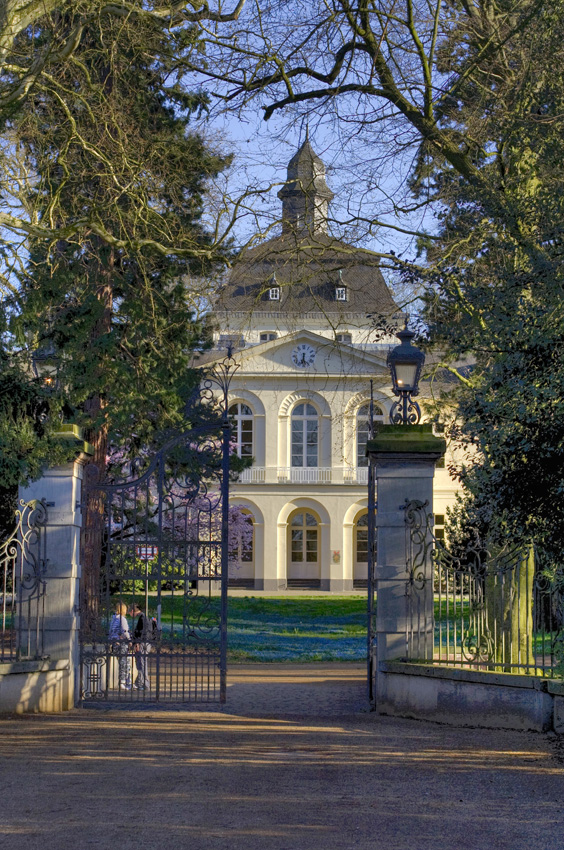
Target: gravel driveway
(294, 762)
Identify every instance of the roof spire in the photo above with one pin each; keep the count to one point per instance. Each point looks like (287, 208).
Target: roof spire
(305, 196)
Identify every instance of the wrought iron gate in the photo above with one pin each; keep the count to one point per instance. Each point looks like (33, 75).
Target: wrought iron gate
(165, 550)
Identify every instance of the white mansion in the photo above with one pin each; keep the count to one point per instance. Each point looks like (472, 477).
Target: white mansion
(300, 311)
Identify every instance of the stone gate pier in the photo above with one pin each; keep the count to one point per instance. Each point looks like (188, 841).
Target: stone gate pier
(404, 458)
(38, 671)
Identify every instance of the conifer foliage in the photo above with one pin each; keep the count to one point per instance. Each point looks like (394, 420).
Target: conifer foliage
(111, 140)
(115, 171)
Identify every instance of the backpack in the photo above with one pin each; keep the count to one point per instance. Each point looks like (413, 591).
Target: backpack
(149, 626)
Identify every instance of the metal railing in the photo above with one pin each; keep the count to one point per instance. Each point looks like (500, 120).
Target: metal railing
(252, 475)
(482, 607)
(305, 475)
(356, 475)
(22, 594)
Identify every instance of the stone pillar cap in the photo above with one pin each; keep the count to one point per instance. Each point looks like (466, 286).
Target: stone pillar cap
(406, 439)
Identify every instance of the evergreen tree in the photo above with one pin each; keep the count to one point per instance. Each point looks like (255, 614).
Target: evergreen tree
(118, 147)
(118, 317)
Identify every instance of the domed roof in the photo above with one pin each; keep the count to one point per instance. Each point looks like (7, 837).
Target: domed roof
(308, 273)
(305, 263)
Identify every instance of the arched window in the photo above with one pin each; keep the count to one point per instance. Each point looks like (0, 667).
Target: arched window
(304, 542)
(242, 435)
(363, 430)
(305, 436)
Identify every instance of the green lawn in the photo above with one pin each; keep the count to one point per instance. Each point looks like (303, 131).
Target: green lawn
(297, 629)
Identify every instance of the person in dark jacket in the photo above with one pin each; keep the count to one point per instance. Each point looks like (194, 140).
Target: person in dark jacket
(142, 646)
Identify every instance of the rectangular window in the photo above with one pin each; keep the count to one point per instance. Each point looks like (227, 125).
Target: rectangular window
(297, 443)
(362, 545)
(268, 337)
(311, 546)
(230, 340)
(312, 439)
(247, 553)
(361, 441)
(439, 527)
(297, 545)
(274, 293)
(246, 438)
(341, 293)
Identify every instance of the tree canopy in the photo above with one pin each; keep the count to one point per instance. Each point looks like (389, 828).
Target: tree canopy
(111, 139)
(43, 44)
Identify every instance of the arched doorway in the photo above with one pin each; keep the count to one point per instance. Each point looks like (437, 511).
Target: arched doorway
(304, 544)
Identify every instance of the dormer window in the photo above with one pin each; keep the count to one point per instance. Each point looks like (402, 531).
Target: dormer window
(272, 288)
(340, 293)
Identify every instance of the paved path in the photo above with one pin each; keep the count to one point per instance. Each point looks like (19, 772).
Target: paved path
(294, 763)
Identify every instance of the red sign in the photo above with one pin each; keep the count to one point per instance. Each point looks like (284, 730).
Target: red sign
(147, 553)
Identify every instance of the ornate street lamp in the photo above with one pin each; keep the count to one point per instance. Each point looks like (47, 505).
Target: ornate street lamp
(405, 363)
(45, 365)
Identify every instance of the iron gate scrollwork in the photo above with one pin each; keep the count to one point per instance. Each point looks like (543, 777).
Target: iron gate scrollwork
(491, 605)
(165, 549)
(23, 564)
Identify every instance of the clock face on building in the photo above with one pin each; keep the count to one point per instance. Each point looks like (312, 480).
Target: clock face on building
(303, 355)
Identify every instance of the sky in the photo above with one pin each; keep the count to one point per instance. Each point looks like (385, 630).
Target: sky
(368, 183)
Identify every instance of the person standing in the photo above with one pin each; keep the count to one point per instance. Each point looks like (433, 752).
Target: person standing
(120, 640)
(142, 633)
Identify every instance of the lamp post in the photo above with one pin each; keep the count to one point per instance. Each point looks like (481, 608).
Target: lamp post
(45, 365)
(405, 362)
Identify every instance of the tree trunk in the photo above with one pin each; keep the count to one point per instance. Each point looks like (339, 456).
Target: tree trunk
(94, 519)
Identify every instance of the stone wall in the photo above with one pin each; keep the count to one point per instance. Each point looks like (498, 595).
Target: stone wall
(36, 686)
(461, 697)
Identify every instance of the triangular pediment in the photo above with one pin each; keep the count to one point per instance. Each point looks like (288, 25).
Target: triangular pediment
(306, 352)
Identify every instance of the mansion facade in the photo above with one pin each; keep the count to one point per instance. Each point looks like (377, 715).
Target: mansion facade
(301, 313)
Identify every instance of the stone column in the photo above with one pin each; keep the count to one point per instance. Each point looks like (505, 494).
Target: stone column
(404, 457)
(61, 489)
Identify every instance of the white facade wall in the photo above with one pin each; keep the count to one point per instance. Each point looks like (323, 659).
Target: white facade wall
(336, 384)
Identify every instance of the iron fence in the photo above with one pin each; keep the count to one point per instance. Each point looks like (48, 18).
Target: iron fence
(22, 569)
(481, 606)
